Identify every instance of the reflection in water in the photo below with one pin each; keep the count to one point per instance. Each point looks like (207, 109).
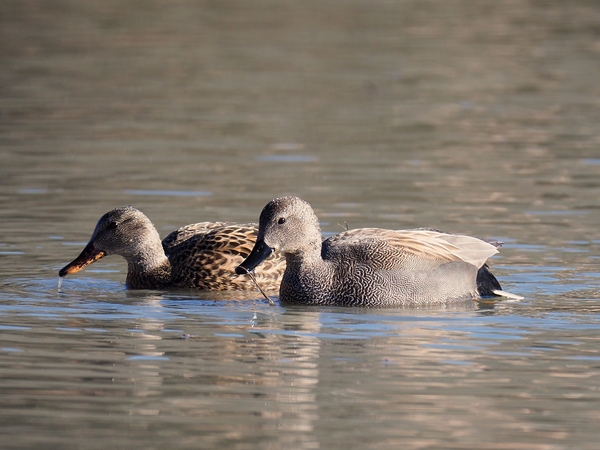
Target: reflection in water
(145, 365)
(273, 391)
(300, 377)
(274, 363)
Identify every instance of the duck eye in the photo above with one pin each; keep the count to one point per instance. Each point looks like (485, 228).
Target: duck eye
(112, 225)
(281, 220)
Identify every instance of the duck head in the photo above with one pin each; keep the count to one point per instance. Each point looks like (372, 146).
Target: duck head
(286, 224)
(122, 231)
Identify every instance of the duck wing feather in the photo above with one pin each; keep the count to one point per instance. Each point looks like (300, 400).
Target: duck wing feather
(382, 248)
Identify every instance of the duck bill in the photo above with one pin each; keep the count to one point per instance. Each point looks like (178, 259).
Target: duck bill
(259, 253)
(89, 255)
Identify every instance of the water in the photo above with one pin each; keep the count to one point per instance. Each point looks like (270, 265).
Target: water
(474, 117)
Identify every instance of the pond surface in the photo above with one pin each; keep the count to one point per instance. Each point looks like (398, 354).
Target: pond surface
(473, 117)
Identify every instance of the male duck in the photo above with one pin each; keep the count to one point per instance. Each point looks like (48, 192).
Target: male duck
(369, 266)
(199, 256)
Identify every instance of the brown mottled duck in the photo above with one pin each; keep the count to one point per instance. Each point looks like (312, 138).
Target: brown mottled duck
(199, 256)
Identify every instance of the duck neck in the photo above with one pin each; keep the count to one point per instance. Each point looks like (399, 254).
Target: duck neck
(305, 274)
(309, 257)
(147, 265)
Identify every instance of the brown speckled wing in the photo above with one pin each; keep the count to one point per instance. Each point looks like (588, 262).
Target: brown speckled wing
(208, 258)
(188, 231)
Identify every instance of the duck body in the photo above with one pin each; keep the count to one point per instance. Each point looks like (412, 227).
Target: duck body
(364, 268)
(370, 267)
(199, 256)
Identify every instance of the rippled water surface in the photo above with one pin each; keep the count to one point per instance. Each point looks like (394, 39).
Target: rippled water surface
(473, 117)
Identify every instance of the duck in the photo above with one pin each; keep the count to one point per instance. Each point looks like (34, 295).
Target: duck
(370, 267)
(198, 256)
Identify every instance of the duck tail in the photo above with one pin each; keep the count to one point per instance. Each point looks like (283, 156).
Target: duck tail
(488, 285)
(507, 295)
(487, 282)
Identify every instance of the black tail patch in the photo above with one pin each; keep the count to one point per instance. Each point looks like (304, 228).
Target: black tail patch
(486, 282)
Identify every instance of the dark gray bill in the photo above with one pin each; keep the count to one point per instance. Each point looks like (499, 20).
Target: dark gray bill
(259, 253)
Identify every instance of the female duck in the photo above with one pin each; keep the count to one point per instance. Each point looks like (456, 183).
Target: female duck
(369, 266)
(199, 256)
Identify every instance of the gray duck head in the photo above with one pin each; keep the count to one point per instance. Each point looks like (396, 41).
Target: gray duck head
(288, 225)
(123, 231)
